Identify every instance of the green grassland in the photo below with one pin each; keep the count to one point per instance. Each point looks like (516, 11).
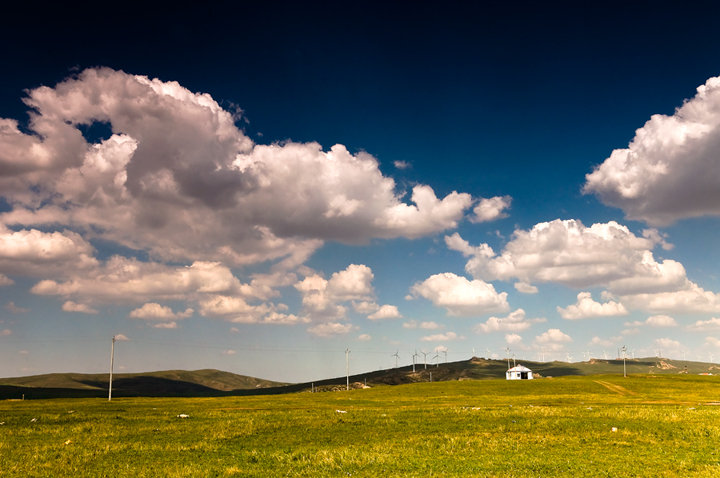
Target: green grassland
(665, 425)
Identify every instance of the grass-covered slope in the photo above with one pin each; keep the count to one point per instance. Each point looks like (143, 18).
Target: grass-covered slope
(171, 383)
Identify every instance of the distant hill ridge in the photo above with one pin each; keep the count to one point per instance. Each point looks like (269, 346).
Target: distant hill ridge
(206, 382)
(209, 382)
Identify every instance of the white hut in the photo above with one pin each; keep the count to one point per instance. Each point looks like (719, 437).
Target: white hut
(519, 372)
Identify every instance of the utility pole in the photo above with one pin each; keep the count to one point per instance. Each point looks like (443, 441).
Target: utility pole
(112, 360)
(347, 367)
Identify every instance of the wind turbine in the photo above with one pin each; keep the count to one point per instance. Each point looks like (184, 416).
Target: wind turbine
(112, 360)
(507, 353)
(624, 351)
(396, 357)
(414, 355)
(436, 358)
(425, 354)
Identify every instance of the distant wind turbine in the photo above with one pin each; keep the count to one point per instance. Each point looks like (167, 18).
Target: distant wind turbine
(414, 355)
(396, 358)
(112, 360)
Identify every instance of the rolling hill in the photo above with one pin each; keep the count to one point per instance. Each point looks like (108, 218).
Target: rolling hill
(198, 383)
(175, 383)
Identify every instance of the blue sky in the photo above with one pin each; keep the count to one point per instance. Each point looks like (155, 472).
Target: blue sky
(257, 188)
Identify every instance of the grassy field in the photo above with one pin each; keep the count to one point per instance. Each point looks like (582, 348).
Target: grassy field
(574, 426)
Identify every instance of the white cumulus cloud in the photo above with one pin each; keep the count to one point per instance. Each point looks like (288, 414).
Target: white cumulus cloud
(553, 336)
(669, 171)
(386, 312)
(441, 337)
(654, 321)
(460, 296)
(705, 325)
(155, 311)
(329, 329)
(586, 307)
(179, 179)
(514, 322)
(70, 306)
(605, 254)
(490, 209)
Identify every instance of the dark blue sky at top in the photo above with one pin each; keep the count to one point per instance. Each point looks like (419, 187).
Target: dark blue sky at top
(489, 98)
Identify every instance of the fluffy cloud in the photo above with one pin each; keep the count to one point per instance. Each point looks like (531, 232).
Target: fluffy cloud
(155, 311)
(605, 254)
(70, 306)
(705, 325)
(123, 280)
(513, 339)
(525, 288)
(654, 321)
(586, 307)
(552, 336)
(386, 312)
(322, 298)
(514, 322)
(329, 329)
(178, 179)
(668, 345)
(490, 209)
(5, 332)
(237, 310)
(690, 299)
(5, 280)
(364, 338)
(441, 337)
(569, 253)
(31, 252)
(669, 170)
(461, 297)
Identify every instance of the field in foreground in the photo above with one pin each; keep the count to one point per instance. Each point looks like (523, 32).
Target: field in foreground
(574, 426)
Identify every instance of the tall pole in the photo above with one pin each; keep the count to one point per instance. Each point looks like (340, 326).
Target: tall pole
(347, 367)
(112, 360)
(624, 349)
